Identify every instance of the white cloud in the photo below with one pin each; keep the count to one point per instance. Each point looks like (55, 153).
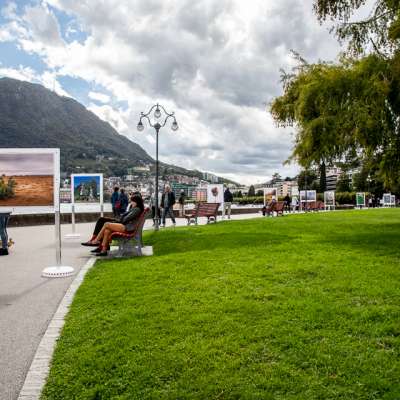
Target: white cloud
(47, 79)
(114, 117)
(100, 97)
(214, 62)
(21, 73)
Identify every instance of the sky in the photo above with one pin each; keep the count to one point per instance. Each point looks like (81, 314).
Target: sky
(215, 63)
(86, 179)
(26, 164)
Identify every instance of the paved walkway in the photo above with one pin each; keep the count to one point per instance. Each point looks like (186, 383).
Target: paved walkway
(28, 301)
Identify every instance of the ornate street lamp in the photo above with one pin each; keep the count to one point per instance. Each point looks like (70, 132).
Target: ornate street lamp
(161, 116)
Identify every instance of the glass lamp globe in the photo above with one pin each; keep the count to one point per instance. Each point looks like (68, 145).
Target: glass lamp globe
(174, 126)
(157, 113)
(140, 126)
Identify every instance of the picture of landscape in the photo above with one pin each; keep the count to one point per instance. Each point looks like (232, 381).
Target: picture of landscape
(86, 188)
(26, 179)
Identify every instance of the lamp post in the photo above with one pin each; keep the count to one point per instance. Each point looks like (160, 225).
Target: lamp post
(161, 116)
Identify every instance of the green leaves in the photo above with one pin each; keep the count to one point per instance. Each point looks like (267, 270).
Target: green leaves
(344, 111)
(379, 31)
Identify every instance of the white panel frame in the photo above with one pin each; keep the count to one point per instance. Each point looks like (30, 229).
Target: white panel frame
(357, 195)
(56, 178)
(269, 191)
(325, 199)
(303, 197)
(220, 194)
(385, 203)
(88, 175)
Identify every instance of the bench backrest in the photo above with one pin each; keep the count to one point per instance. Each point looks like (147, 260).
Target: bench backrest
(204, 209)
(142, 220)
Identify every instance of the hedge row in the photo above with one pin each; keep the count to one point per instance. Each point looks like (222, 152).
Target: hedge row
(341, 198)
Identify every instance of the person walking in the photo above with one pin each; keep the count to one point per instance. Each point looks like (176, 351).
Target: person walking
(167, 204)
(228, 199)
(115, 202)
(287, 202)
(181, 202)
(123, 200)
(294, 203)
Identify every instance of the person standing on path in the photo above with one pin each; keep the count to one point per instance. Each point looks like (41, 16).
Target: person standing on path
(181, 202)
(167, 204)
(3, 236)
(228, 199)
(115, 202)
(124, 201)
(287, 202)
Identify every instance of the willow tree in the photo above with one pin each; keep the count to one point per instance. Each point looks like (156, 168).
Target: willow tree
(348, 111)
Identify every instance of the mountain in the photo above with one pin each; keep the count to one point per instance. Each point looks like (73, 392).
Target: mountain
(33, 116)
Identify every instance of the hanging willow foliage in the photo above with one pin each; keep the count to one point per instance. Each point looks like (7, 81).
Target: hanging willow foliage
(347, 111)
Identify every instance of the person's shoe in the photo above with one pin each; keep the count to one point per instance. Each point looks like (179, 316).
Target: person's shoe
(90, 243)
(3, 252)
(102, 254)
(98, 250)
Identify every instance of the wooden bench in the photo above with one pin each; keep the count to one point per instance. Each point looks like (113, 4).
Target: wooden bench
(130, 243)
(277, 207)
(316, 206)
(208, 210)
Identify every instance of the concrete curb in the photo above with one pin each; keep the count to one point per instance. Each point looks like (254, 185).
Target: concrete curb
(39, 370)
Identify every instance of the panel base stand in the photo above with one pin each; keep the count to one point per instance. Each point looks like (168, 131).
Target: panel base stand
(72, 236)
(57, 272)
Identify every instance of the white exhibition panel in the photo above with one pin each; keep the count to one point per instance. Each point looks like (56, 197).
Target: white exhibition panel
(34, 168)
(79, 178)
(215, 193)
(269, 193)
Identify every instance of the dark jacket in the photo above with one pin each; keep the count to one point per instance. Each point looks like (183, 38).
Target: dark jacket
(131, 218)
(228, 196)
(181, 199)
(171, 199)
(124, 201)
(114, 198)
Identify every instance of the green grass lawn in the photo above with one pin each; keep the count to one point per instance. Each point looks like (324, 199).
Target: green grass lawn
(297, 307)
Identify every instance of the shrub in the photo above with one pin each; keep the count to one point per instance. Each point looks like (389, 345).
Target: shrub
(6, 188)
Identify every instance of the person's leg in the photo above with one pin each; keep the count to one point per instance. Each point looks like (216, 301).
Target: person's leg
(171, 214)
(163, 216)
(109, 229)
(100, 223)
(3, 232)
(229, 210)
(159, 215)
(101, 233)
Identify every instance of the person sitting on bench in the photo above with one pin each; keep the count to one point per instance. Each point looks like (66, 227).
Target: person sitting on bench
(100, 223)
(106, 226)
(269, 208)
